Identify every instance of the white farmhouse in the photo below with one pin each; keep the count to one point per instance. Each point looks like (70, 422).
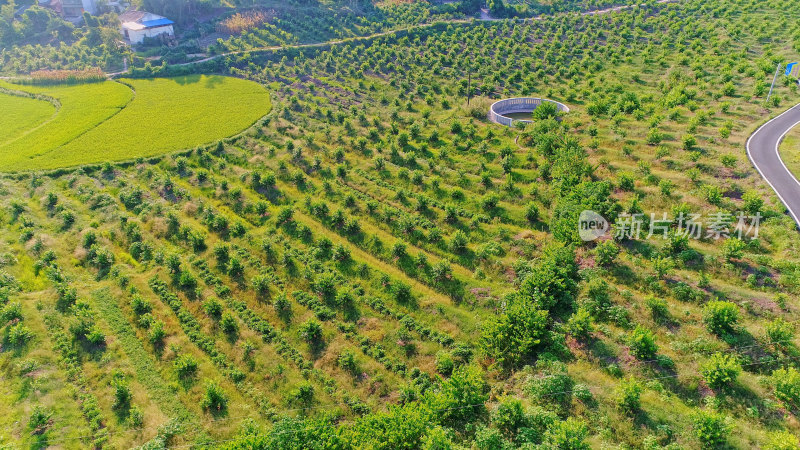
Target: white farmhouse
(137, 25)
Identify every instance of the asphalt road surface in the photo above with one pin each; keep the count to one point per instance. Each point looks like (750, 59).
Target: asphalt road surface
(762, 148)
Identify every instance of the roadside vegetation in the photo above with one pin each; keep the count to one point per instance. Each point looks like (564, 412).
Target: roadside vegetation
(790, 151)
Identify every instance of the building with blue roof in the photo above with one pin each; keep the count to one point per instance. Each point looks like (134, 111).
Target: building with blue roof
(137, 25)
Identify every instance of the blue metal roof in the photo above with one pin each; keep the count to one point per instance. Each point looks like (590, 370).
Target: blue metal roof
(157, 23)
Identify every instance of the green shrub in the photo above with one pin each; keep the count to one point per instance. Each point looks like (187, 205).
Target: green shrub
(135, 418)
(628, 396)
(531, 213)
(553, 386)
(95, 337)
(215, 400)
(489, 439)
(753, 202)
(780, 333)
(139, 305)
(40, 420)
(303, 395)
(460, 399)
(606, 253)
(67, 296)
(283, 307)
(444, 363)
(642, 343)
(544, 111)
(185, 366)
(347, 361)
(580, 324)
(17, 335)
(689, 142)
(515, 335)
(509, 416)
(733, 248)
(228, 323)
(721, 370)
(122, 394)
(311, 332)
(213, 308)
(654, 137)
(720, 316)
(11, 312)
(711, 428)
(459, 241)
(626, 181)
(569, 434)
(787, 386)
(261, 285)
(157, 334)
(662, 266)
(728, 161)
(437, 438)
(782, 440)
(597, 301)
(658, 309)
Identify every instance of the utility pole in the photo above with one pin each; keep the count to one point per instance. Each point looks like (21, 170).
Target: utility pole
(775, 78)
(469, 84)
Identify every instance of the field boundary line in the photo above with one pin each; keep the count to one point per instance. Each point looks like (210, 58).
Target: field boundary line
(131, 161)
(18, 93)
(95, 126)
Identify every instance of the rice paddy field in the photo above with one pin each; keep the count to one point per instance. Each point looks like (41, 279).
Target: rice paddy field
(123, 120)
(21, 114)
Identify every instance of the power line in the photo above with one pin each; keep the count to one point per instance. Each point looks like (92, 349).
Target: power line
(552, 394)
(474, 405)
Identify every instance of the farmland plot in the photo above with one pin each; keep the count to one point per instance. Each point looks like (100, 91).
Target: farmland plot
(115, 121)
(20, 114)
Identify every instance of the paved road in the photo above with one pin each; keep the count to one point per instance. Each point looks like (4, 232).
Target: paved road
(762, 148)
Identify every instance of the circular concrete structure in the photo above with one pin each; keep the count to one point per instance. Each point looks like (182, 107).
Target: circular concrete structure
(498, 111)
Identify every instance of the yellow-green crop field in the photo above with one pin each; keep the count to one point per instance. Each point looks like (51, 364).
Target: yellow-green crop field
(123, 120)
(21, 114)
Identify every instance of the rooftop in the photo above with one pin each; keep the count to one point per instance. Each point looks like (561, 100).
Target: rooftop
(157, 23)
(143, 17)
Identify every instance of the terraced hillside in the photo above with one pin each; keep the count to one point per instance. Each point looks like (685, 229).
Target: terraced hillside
(376, 265)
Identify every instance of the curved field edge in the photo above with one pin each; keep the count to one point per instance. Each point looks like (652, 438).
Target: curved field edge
(166, 115)
(790, 151)
(83, 107)
(22, 113)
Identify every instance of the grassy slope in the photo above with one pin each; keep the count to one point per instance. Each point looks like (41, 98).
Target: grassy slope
(21, 114)
(790, 151)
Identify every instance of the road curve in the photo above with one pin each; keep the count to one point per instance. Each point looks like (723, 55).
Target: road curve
(762, 149)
